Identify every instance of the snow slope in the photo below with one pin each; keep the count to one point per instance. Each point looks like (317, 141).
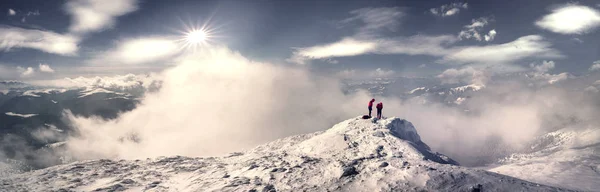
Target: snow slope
(354, 155)
(567, 158)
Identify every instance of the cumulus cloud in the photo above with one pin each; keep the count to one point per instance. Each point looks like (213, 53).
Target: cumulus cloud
(11, 12)
(96, 15)
(491, 35)
(570, 19)
(25, 72)
(532, 46)
(473, 31)
(595, 66)
(541, 74)
(544, 67)
(47, 41)
(46, 68)
(138, 51)
(448, 10)
(204, 105)
(465, 75)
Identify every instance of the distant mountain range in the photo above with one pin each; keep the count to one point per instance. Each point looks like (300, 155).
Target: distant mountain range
(28, 109)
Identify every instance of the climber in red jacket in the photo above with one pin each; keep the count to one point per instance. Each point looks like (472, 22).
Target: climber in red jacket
(379, 108)
(371, 106)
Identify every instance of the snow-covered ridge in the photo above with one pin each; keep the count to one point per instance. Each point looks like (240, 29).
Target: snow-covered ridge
(354, 155)
(92, 90)
(20, 115)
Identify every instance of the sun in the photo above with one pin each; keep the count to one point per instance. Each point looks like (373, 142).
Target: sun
(196, 37)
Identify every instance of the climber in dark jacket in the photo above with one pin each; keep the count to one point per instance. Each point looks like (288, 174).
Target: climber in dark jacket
(371, 106)
(379, 108)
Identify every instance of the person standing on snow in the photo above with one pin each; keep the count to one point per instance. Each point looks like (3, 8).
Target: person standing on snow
(371, 106)
(379, 108)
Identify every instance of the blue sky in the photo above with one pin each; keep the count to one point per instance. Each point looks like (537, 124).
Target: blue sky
(54, 39)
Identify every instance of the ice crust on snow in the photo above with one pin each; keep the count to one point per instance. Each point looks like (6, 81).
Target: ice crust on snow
(354, 155)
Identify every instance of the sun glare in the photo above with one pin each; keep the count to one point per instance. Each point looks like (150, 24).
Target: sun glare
(196, 37)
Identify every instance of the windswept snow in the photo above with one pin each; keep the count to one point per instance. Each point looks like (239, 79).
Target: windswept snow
(566, 158)
(20, 115)
(354, 155)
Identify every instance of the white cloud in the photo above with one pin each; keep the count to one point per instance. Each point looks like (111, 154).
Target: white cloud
(138, 51)
(448, 10)
(595, 66)
(592, 89)
(29, 14)
(414, 45)
(47, 41)
(532, 46)
(368, 41)
(465, 75)
(451, 12)
(11, 12)
(541, 73)
(96, 15)
(178, 111)
(382, 73)
(344, 47)
(375, 19)
(544, 67)
(25, 72)
(491, 35)
(46, 68)
(473, 31)
(364, 73)
(422, 66)
(571, 19)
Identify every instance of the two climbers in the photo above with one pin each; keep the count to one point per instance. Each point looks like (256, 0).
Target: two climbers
(379, 108)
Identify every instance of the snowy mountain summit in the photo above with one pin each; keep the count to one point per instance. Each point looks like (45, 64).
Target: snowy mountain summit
(354, 155)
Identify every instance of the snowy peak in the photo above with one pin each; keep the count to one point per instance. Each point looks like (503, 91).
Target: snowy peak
(391, 137)
(354, 155)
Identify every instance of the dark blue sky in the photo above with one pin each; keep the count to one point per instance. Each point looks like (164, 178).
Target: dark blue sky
(278, 31)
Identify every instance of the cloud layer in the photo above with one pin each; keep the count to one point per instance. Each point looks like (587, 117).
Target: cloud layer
(50, 42)
(138, 51)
